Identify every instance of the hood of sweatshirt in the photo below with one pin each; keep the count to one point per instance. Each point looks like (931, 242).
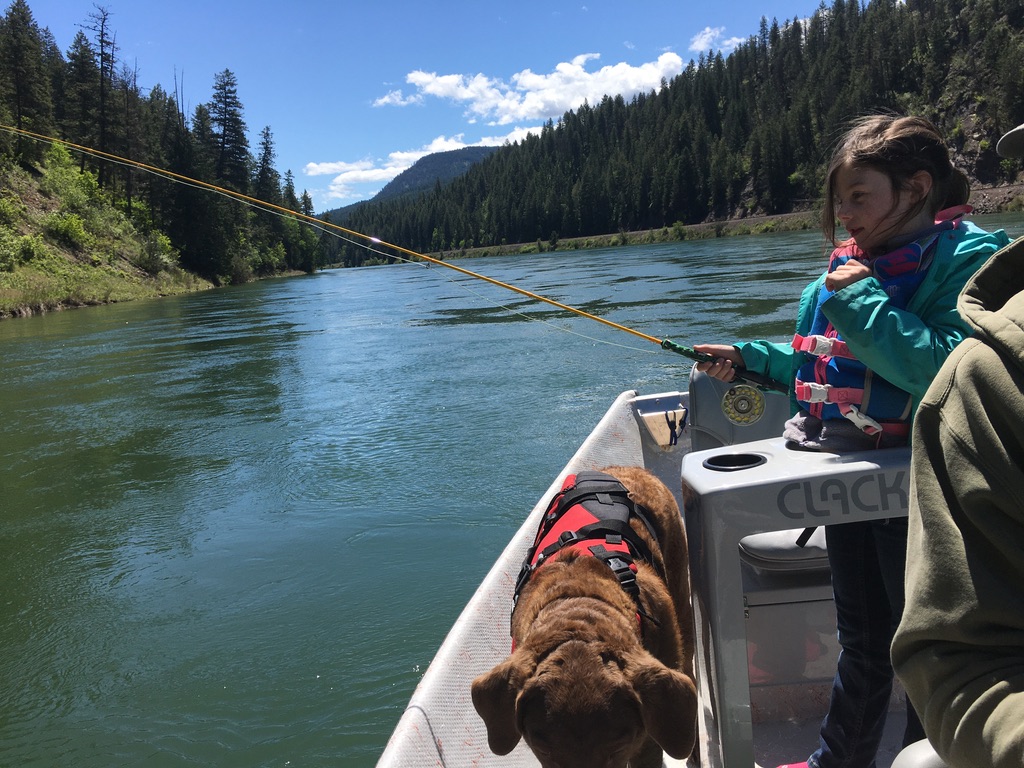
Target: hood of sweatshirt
(992, 302)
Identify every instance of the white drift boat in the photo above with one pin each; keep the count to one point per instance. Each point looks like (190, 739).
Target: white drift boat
(765, 621)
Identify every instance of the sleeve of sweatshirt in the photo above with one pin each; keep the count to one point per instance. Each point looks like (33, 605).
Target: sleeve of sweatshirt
(959, 649)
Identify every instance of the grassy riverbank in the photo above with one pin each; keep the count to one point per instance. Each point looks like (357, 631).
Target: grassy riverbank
(791, 222)
(63, 244)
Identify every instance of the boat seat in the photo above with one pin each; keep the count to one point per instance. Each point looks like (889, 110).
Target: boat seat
(920, 754)
(779, 551)
(713, 424)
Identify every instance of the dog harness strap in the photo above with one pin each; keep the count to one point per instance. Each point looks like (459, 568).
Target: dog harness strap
(591, 507)
(622, 566)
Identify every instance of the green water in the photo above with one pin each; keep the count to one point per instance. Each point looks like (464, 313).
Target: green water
(236, 526)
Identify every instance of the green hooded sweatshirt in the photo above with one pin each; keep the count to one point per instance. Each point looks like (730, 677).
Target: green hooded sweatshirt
(959, 649)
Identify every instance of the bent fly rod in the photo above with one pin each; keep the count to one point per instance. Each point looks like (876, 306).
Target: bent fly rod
(741, 374)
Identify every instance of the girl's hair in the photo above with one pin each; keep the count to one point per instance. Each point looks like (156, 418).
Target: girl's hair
(899, 147)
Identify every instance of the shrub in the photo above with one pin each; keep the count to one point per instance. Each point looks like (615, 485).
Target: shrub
(11, 209)
(8, 249)
(68, 229)
(65, 182)
(157, 254)
(18, 249)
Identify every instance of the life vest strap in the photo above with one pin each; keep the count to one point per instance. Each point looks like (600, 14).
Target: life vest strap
(870, 426)
(812, 392)
(821, 346)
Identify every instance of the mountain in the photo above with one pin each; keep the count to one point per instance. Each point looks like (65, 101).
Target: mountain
(423, 176)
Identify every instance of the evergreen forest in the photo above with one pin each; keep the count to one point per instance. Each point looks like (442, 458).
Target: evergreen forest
(89, 97)
(739, 135)
(734, 135)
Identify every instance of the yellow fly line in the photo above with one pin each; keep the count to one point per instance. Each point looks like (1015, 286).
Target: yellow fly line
(663, 343)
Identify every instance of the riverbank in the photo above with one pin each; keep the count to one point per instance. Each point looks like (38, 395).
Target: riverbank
(984, 200)
(64, 244)
(49, 275)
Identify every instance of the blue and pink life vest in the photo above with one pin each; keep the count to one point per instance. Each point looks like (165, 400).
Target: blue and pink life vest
(833, 383)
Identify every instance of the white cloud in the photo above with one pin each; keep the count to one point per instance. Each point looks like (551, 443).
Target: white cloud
(350, 179)
(710, 38)
(397, 99)
(528, 98)
(322, 169)
(532, 96)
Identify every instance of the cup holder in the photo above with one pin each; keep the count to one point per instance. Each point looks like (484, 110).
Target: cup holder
(731, 462)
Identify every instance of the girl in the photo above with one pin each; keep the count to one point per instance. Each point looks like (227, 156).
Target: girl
(871, 334)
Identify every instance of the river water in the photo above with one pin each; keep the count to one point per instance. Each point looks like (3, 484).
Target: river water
(237, 525)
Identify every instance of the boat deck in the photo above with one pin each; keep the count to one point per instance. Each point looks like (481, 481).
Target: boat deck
(756, 715)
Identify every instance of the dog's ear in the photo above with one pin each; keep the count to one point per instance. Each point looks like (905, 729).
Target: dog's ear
(668, 703)
(494, 697)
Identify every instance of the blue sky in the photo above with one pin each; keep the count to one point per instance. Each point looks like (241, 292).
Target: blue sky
(355, 92)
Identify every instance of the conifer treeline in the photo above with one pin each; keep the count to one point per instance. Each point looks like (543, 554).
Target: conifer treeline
(743, 133)
(749, 132)
(90, 97)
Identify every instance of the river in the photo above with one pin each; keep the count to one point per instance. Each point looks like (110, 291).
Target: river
(237, 525)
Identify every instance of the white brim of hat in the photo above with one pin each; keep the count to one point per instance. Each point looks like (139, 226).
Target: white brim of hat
(1012, 143)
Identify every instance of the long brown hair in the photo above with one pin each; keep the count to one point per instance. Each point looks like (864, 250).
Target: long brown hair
(899, 147)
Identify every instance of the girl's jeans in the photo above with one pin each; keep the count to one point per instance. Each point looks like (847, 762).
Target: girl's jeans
(867, 561)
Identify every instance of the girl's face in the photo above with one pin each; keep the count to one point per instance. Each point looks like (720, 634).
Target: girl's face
(869, 209)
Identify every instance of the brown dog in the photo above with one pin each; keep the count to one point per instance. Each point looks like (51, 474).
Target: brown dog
(599, 678)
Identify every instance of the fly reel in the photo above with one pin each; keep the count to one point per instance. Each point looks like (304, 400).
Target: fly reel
(743, 405)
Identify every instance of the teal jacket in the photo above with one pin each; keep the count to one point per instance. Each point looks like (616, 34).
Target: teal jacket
(904, 346)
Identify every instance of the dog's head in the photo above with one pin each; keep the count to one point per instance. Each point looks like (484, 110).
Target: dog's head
(586, 704)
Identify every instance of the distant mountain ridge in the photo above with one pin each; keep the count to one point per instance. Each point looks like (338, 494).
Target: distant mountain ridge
(423, 175)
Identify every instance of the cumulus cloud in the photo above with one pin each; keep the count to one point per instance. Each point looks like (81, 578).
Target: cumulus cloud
(528, 97)
(539, 96)
(710, 38)
(397, 99)
(349, 178)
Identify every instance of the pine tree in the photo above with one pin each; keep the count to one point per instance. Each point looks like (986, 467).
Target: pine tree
(231, 165)
(24, 85)
(106, 59)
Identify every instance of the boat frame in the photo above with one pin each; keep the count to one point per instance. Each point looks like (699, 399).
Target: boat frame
(765, 630)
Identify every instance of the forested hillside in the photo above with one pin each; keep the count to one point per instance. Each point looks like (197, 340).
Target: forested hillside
(88, 97)
(731, 136)
(736, 135)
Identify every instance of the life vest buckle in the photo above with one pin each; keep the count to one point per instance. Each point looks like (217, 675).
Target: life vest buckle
(862, 421)
(524, 576)
(821, 346)
(812, 392)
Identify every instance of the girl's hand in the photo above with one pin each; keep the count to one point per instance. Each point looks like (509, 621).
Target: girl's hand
(721, 367)
(846, 274)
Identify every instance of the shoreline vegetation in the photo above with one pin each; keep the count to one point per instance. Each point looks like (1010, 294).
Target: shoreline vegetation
(66, 262)
(993, 199)
(731, 141)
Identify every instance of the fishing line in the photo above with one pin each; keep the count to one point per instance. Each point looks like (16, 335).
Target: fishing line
(324, 226)
(317, 224)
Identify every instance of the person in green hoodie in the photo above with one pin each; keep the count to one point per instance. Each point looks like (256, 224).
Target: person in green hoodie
(959, 648)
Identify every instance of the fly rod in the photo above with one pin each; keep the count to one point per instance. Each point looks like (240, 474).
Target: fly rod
(741, 373)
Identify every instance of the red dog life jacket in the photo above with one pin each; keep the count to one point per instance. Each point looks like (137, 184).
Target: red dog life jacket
(591, 516)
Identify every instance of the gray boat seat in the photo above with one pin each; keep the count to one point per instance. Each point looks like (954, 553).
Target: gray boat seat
(920, 754)
(718, 420)
(779, 551)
